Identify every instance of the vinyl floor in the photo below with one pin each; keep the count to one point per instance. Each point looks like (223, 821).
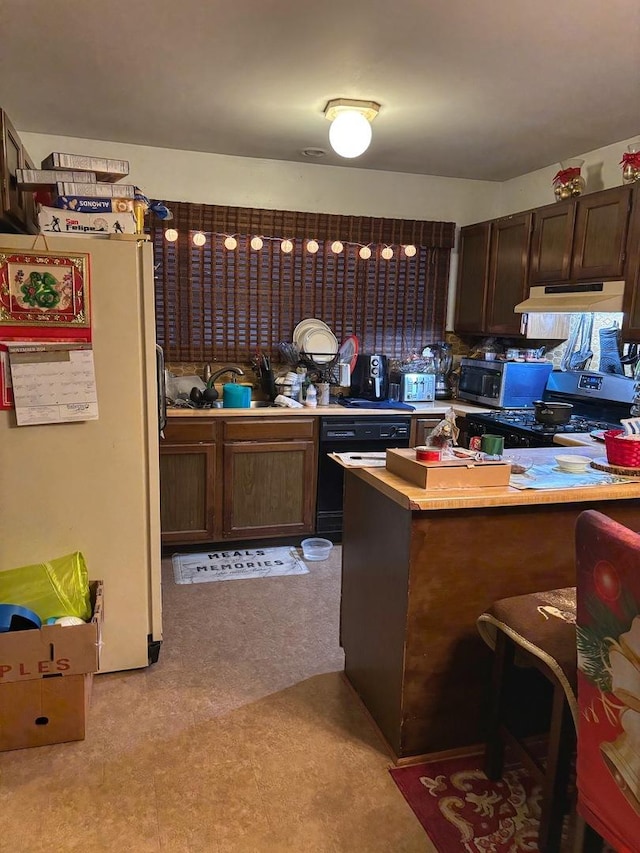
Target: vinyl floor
(243, 737)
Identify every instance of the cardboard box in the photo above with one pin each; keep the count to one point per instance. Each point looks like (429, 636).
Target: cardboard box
(44, 711)
(94, 205)
(45, 680)
(453, 474)
(53, 220)
(105, 169)
(43, 178)
(98, 190)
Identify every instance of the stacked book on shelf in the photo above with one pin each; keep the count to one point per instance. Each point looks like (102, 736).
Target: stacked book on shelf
(80, 195)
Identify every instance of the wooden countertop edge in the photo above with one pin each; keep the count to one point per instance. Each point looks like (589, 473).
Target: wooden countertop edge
(439, 407)
(415, 499)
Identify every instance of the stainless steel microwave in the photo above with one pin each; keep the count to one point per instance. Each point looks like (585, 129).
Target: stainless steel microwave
(503, 384)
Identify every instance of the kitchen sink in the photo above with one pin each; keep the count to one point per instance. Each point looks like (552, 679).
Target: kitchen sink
(255, 404)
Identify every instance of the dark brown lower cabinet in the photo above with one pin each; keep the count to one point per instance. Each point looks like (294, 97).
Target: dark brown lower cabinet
(237, 478)
(269, 488)
(187, 492)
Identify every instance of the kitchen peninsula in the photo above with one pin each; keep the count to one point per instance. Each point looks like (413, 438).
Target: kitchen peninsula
(420, 566)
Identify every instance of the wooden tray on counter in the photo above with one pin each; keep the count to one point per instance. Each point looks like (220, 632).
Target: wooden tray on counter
(449, 474)
(603, 465)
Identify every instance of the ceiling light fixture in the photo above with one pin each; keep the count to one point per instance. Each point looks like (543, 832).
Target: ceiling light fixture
(350, 131)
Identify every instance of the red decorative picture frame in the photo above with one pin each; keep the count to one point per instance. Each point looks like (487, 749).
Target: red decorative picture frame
(44, 290)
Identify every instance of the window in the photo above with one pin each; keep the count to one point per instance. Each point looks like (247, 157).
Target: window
(216, 303)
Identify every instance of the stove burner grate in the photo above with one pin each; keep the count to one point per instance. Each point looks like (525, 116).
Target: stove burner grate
(524, 419)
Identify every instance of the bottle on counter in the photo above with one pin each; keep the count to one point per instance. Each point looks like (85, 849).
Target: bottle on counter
(311, 400)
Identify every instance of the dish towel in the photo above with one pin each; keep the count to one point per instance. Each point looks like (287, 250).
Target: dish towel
(354, 403)
(610, 351)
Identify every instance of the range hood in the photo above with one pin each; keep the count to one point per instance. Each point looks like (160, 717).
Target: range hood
(573, 298)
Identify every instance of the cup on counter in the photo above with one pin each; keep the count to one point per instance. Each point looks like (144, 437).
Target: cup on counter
(394, 392)
(492, 446)
(323, 393)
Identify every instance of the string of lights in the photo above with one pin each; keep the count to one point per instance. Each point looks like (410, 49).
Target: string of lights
(199, 238)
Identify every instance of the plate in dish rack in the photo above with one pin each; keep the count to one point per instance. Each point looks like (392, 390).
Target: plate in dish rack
(305, 326)
(320, 344)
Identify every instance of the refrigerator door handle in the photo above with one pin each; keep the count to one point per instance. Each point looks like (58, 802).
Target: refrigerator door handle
(162, 396)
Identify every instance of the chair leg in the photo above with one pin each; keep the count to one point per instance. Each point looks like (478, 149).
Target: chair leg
(555, 801)
(587, 839)
(502, 664)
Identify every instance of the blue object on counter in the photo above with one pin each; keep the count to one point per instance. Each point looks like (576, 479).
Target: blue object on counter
(235, 396)
(355, 403)
(16, 618)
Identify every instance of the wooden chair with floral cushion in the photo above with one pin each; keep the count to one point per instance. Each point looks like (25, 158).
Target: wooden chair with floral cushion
(537, 631)
(608, 639)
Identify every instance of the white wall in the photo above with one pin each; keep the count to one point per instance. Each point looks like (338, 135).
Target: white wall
(168, 174)
(601, 170)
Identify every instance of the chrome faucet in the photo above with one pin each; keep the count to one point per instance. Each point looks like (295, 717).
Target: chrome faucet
(235, 370)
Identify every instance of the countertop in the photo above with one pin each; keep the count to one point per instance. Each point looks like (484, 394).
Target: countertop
(437, 407)
(579, 439)
(413, 498)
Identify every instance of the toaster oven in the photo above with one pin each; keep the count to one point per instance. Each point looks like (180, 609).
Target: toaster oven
(417, 387)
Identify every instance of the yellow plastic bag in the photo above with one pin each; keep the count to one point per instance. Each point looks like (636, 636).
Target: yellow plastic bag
(57, 588)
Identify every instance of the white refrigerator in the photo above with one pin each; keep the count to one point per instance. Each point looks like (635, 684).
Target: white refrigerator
(93, 486)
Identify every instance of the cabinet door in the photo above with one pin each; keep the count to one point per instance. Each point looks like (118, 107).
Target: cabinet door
(631, 322)
(508, 269)
(600, 234)
(12, 210)
(551, 242)
(187, 492)
(471, 288)
(269, 488)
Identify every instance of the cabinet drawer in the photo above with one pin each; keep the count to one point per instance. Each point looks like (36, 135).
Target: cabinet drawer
(190, 431)
(251, 429)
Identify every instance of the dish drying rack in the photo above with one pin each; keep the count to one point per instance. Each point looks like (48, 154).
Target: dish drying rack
(327, 370)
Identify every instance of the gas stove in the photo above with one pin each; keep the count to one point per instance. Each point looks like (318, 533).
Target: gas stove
(599, 401)
(520, 428)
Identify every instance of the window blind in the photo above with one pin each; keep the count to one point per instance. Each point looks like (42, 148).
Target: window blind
(216, 303)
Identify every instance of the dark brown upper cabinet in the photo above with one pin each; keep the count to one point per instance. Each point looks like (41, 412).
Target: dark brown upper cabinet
(552, 242)
(508, 273)
(600, 236)
(631, 322)
(581, 239)
(17, 208)
(473, 269)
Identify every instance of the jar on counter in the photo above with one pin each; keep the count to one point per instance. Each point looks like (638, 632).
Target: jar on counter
(323, 393)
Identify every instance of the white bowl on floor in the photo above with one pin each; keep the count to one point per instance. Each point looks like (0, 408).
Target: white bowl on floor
(316, 549)
(573, 464)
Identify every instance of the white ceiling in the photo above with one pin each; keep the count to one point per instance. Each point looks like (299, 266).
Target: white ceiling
(468, 89)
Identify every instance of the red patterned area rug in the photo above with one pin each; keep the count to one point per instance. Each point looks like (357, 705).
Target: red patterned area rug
(461, 810)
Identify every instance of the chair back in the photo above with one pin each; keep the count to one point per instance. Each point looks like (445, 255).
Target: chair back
(608, 637)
